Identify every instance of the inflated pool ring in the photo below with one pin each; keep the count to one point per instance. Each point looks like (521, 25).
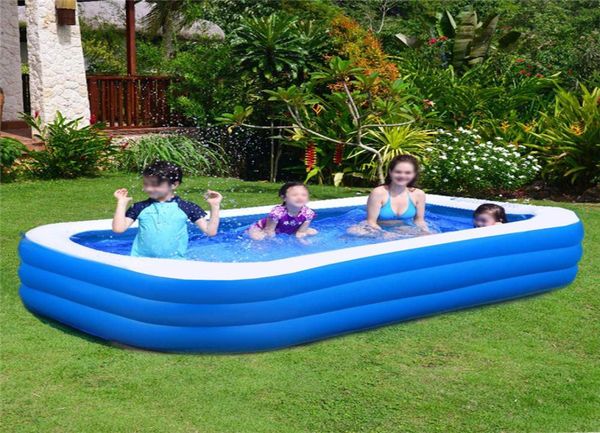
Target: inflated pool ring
(194, 306)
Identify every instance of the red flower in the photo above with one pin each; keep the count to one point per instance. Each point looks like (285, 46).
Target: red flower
(519, 60)
(443, 38)
(339, 153)
(310, 157)
(432, 41)
(36, 114)
(428, 103)
(93, 119)
(538, 75)
(523, 72)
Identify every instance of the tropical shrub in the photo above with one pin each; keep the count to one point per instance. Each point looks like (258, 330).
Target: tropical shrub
(70, 150)
(568, 139)
(362, 48)
(208, 81)
(461, 162)
(462, 42)
(10, 150)
(195, 158)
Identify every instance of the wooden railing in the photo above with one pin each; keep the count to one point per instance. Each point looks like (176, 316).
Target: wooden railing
(129, 101)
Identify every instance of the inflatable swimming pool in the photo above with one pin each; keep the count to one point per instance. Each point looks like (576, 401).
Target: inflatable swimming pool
(243, 305)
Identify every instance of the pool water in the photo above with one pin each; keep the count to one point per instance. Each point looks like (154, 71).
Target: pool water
(232, 244)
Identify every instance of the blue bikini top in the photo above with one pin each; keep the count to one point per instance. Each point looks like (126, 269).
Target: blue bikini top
(387, 213)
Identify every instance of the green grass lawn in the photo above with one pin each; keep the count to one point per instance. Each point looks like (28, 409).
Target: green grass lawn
(527, 366)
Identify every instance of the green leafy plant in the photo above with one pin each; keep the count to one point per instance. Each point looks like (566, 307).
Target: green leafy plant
(195, 158)
(568, 139)
(10, 151)
(70, 150)
(463, 42)
(462, 163)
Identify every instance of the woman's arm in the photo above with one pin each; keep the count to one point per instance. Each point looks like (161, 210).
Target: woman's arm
(120, 222)
(373, 208)
(420, 205)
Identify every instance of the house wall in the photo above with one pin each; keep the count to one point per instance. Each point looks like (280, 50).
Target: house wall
(56, 65)
(10, 65)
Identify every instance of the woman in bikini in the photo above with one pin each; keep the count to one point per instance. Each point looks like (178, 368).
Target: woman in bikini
(397, 204)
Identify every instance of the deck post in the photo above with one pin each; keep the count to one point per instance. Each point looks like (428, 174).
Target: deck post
(130, 37)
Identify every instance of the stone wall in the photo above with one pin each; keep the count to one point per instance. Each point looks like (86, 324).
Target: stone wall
(56, 65)
(10, 60)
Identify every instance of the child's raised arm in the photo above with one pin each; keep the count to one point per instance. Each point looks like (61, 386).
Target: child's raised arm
(120, 222)
(211, 227)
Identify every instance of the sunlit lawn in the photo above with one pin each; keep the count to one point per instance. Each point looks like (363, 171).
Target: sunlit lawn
(526, 366)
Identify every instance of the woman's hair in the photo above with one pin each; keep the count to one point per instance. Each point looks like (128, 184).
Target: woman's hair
(288, 185)
(494, 210)
(403, 158)
(164, 171)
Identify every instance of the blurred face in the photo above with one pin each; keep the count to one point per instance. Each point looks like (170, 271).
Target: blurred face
(296, 196)
(156, 189)
(484, 220)
(403, 173)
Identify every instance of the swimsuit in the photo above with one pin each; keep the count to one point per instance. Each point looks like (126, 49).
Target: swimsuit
(286, 223)
(163, 227)
(387, 213)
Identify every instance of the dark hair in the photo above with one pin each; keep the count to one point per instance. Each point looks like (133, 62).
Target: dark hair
(288, 185)
(494, 210)
(403, 158)
(164, 171)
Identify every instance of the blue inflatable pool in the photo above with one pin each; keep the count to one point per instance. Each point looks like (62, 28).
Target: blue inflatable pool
(254, 302)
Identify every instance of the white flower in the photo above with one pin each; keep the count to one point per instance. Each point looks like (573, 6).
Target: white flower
(498, 138)
(445, 180)
(443, 156)
(455, 139)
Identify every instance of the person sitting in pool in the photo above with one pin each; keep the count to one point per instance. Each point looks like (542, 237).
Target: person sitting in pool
(163, 216)
(291, 217)
(489, 214)
(397, 203)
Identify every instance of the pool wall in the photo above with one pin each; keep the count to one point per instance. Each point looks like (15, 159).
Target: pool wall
(185, 306)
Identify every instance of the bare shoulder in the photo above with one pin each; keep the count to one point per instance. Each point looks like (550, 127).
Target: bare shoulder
(418, 193)
(378, 191)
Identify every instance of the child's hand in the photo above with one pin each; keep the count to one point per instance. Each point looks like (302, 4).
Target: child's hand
(213, 198)
(122, 195)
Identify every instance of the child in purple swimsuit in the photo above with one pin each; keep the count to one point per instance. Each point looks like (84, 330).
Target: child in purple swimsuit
(291, 217)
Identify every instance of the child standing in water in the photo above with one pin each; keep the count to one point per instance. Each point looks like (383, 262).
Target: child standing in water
(291, 217)
(489, 214)
(163, 217)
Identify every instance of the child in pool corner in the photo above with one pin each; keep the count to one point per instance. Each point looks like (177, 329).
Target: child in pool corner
(292, 217)
(489, 214)
(163, 216)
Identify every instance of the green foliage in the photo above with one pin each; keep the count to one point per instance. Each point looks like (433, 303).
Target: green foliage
(70, 150)
(193, 157)
(10, 151)
(462, 163)
(277, 48)
(208, 81)
(568, 139)
(469, 39)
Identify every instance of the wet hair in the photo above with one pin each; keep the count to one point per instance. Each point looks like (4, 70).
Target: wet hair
(403, 158)
(284, 188)
(494, 210)
(164, 171)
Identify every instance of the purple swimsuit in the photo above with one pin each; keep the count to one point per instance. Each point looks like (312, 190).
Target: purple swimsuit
(286, 223)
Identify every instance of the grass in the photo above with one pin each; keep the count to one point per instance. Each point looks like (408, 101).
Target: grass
(525, 366)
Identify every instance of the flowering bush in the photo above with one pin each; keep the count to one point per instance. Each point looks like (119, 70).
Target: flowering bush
(462, 163)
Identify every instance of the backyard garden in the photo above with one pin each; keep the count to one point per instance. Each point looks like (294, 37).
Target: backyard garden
(496, 99)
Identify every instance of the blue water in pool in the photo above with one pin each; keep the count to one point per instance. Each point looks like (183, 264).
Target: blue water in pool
(232, 244)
